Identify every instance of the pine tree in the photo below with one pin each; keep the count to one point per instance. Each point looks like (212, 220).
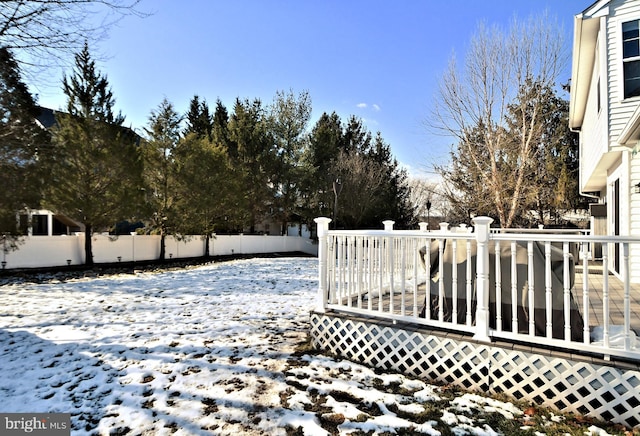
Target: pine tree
(554, 171)
(206, 187)
(198, 119)
(352, 176)
(20, 141)
(160, 169)
(323, 144)
(254, 163)
(95, 165)
(466, 189)
(220, 128)
(393, 199)
(289, 116)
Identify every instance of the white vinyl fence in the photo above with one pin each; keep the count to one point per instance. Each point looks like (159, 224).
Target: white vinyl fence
(52, 251)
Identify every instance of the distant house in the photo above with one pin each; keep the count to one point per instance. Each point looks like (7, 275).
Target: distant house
(46, 223)
(605, 110)
(38, 222)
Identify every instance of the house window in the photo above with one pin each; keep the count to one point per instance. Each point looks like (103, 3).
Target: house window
(631, 57)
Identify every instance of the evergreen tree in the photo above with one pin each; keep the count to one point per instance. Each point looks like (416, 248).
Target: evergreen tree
(324, 143)
(353, 176)
(254, 163)
(198, 118)
(355, 136)
(206, 187)
(95, 165)
(159, 170)
(289, 117)
(554, 171)
(394, 196)
(220, 128)
(20, 140)
(466, 190)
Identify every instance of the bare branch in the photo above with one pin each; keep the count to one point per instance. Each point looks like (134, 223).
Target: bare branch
(478, 104)
(46, 33)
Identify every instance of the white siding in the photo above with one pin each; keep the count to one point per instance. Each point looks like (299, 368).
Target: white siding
(593, 138)
(634, 216)
(620, 110)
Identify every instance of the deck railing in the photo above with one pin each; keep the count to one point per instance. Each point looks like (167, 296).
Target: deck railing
(526, 287)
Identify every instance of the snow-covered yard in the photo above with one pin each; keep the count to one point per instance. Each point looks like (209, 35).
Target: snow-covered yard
(213, 349)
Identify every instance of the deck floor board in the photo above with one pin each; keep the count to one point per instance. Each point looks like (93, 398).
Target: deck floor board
(595, 283)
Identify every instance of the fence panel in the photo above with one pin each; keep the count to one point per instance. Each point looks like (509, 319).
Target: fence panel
(52, 251)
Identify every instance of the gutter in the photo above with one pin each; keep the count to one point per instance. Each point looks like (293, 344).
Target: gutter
(577, 35)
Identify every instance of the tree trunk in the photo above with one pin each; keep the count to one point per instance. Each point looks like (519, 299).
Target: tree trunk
(88, 250)
(162, 247)
(206, 246)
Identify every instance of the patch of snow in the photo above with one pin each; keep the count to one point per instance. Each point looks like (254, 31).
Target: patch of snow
(471, 402)
(595, 431)
(206, 350)
(616, 337)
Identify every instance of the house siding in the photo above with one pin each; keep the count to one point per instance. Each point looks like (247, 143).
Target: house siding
(620, 110)
(593, 138)
(634, 213)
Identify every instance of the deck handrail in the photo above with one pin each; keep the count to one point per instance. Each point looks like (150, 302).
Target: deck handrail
(400, 275)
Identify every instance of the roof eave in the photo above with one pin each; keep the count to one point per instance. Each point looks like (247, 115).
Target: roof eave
(584, 43)
(573, 96)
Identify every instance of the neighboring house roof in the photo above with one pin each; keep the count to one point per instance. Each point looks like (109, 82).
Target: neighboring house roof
(47, 117)
(585, 35)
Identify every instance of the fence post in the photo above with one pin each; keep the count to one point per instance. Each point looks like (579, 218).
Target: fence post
(388, 225)
(322, 297)
(482, 224)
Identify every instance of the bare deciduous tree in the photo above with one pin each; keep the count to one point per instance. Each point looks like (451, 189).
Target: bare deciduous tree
(44, 33)
(474, 102)
(360, 180)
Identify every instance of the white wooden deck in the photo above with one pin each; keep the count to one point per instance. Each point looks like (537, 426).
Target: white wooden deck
(595, 282)
(616, 298)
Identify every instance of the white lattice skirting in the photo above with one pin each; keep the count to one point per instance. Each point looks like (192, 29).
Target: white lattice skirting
(586, 387)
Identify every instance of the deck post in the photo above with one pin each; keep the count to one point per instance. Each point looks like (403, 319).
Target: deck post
(322, 297)
(482, 230)
(388, 225)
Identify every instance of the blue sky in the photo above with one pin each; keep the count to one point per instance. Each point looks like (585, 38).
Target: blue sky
(377, 60)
